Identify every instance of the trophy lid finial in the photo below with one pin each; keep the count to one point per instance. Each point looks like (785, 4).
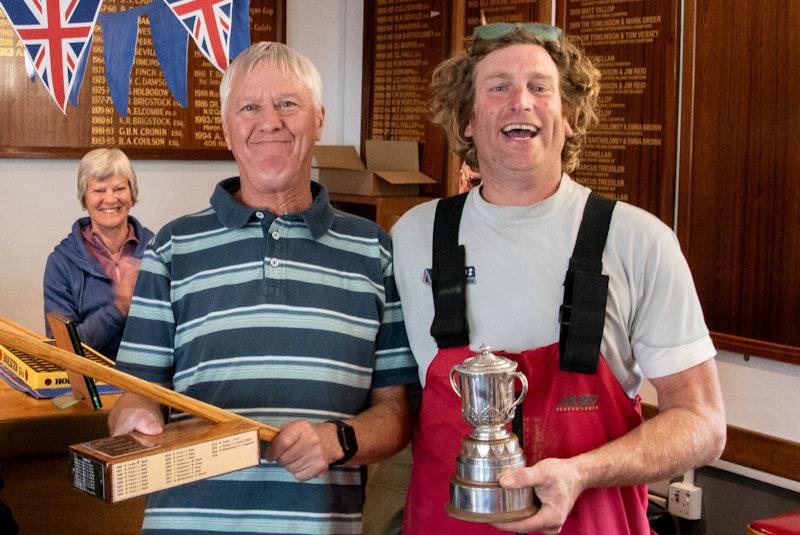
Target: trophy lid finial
(485, 355)
(485, 362)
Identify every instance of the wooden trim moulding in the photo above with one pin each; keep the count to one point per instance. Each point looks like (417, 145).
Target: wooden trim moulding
(755, 450)
(751, 347)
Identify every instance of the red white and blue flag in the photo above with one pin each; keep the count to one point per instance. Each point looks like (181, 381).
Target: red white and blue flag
(56, 35)
(209, 24)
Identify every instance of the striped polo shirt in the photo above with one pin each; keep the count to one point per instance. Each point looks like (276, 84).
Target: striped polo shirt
(276, 318)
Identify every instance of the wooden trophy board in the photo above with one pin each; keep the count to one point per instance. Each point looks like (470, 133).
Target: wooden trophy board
(126, 466)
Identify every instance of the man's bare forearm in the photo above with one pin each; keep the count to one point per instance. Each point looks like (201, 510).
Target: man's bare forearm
(688, 432)
(383, 429)
(670, 443)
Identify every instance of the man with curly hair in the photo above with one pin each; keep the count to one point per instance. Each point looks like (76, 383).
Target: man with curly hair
(588, 296)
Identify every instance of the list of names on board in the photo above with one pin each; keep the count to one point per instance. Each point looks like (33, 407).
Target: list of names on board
(155, 124)
(406, 40)
(631, 154)
(500, 11)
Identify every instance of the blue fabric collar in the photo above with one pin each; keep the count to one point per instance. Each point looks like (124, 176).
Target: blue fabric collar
(233, 214)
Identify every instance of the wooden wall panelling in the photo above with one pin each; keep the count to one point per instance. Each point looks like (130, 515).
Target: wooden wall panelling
(739, 203)
(493, 11)
(457, 40)
(752, 347)
(384, 210)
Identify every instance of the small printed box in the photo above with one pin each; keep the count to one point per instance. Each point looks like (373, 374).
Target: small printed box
(40, 375)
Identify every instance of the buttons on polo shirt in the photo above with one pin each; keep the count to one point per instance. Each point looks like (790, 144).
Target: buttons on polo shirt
(273, 262)
(276, 235)
(260, 215)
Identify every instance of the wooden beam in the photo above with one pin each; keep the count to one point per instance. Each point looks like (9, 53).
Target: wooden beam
(756, 348)
(22, 340)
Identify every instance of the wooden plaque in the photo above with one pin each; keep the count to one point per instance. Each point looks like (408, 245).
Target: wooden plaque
(125, 466)
(156, 125)
(631, 154)
(404, 40)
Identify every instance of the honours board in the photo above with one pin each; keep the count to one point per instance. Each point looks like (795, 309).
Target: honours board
(738, 217)
(404, 40)
(156, 126)
(630, 155)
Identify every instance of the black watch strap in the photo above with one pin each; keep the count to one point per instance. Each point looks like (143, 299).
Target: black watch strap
(347, 440)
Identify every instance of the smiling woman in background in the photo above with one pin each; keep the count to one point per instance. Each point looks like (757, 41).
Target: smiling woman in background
(91, 274)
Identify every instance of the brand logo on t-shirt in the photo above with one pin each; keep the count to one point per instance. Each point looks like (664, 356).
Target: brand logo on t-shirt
(468, 270)
(578, 402)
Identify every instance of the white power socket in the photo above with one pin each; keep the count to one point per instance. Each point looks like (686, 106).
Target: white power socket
(685, 500)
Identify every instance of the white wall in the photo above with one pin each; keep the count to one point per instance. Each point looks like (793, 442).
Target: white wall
(322, 29)
(38, 201)
(761, 395)
(38, 206)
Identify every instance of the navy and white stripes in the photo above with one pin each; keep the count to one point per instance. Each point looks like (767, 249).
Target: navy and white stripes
(275, 318)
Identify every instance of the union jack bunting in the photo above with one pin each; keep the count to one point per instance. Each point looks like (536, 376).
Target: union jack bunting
(209, 24)
(55, 34)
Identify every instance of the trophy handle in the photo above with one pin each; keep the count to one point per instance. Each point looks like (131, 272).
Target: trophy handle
(524, 381)
(455, 387)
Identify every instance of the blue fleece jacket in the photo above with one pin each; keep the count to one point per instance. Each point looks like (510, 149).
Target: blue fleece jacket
(76, 286)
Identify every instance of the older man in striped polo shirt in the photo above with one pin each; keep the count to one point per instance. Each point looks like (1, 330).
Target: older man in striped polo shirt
(276, 306)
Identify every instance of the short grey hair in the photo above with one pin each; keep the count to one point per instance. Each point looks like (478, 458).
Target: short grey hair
(102, 164)
(279, 55)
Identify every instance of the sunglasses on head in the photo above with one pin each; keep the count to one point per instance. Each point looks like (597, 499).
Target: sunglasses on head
(495, 30)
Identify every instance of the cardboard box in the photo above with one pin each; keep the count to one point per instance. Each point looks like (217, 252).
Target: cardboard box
(126, 466)
(44, 379)
(392, 169)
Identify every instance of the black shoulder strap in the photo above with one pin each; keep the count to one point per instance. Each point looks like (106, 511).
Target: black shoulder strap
(448, 276)
(582, 314)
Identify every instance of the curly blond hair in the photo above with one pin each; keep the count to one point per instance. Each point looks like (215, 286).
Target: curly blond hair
(453, 91)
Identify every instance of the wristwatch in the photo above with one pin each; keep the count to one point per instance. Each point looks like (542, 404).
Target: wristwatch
(347, 440)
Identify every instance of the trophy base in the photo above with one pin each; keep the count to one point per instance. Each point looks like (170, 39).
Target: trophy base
(490, 503)
(491, 518)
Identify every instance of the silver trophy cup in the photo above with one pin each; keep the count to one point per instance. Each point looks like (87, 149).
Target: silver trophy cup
(486, 387)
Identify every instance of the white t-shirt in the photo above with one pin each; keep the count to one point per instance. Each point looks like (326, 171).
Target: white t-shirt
(654, 324)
